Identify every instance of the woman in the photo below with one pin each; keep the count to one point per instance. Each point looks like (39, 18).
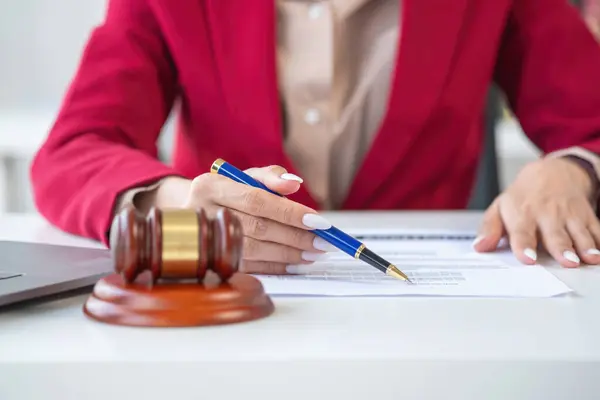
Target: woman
(376, 104)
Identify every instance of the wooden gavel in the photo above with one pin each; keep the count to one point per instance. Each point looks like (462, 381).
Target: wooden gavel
(178, 244)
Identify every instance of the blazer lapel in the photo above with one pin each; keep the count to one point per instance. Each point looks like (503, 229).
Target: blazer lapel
(429, 33)
(244, 41)
(242, 36)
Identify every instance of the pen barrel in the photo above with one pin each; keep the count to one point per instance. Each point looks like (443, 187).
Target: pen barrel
(333, 235)
(339, 239)
(374, 260)
(239, 176)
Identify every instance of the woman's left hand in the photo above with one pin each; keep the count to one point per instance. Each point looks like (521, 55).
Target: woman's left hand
(549, 204)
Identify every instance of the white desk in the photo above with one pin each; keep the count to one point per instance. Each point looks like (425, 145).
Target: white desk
(314, 348)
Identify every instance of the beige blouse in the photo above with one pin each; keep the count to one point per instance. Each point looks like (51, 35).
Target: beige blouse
(336, 61)
(335, 65)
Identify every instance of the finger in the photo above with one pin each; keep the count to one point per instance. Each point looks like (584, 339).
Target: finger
(201, 193)
(583, 241)
(257, 250)
(594, 229)
(261, 267)
(521, 232)
(490, 231)
(260, 203)
(277, 179)
(272, 231)
(584, 229)
(208, 190)
(557, 240)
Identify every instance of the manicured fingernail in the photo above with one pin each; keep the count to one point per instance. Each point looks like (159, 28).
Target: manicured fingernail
(292, 269)
(593, 252)
(291, 177)
(530, 253)
(315, 221)
(309, 256)
(477, 240)
(503, 242)
(569, 255)
(323, 245)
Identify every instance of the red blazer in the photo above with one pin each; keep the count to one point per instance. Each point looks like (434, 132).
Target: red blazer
(216, 60)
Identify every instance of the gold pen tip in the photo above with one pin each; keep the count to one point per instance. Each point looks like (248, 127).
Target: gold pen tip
(392, 270)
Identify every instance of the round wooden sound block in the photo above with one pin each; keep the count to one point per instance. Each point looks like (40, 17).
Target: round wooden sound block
(178, 304)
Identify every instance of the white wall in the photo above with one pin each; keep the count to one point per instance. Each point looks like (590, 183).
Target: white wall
(40, 45)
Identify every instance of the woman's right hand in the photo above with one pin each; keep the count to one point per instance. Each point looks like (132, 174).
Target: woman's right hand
(276, 229)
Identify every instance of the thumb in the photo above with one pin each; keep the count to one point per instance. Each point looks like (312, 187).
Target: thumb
(491, 229)
(277, 179)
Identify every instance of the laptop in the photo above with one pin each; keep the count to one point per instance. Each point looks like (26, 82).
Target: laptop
(32, 270)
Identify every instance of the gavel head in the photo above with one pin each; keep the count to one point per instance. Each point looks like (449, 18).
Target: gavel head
(176, 244)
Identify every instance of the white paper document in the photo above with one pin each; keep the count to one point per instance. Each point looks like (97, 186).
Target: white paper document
(437, 264)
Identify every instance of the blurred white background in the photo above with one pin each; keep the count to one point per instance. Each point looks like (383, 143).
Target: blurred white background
(40, 46)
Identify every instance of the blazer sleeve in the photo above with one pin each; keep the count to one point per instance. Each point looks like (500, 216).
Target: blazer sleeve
(549, 68)
(103, 140)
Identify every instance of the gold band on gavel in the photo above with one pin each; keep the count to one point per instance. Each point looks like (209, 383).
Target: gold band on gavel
(180, 252)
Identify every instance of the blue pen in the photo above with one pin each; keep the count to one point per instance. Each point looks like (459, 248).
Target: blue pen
(333, 235)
